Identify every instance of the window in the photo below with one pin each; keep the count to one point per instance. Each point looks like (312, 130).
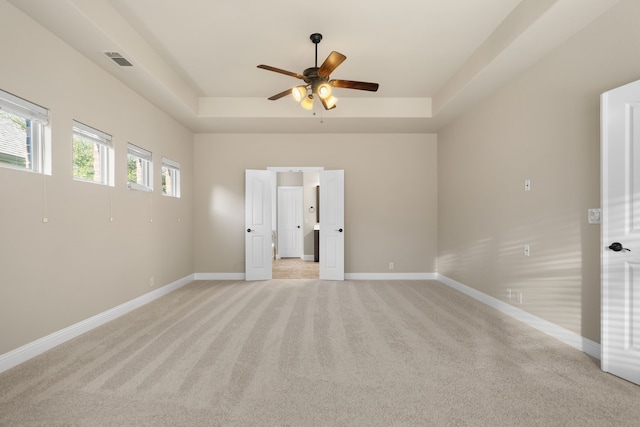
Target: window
(170, 178)
(22, 130)
(92, 155)
(140, 168)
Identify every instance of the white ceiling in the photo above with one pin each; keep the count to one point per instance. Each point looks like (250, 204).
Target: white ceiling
(196, 59)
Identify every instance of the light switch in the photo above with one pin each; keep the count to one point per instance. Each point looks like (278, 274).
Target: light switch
(527, 185)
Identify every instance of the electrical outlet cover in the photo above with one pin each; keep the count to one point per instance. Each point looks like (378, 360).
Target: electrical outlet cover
(595, 216)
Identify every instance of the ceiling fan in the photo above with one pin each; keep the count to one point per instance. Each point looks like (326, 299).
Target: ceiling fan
(317, 82)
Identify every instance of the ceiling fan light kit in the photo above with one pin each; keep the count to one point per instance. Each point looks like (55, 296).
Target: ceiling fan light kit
(324, 90)
(299, 93)
(307, 103)
(329, 102)
(317, 81)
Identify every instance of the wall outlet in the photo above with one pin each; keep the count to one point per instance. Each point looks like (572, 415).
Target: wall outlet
(508, 293)
(152, 281)
(518, 297)
(392, 265)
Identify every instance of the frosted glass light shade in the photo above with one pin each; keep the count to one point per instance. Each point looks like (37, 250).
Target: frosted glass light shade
(299, 92)
(307, 103)
(330, 102)
(324, 90)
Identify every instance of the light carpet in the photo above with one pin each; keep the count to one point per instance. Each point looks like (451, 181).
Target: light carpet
(310, 352)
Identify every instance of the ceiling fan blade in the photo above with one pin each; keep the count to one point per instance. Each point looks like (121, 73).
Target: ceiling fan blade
(280, 95)
(350, 84)
(331, 63)
(278, 70)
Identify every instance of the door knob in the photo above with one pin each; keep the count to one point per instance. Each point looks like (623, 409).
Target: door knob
(617, 247)
(339, 230)
(249, 230)
(298, 226)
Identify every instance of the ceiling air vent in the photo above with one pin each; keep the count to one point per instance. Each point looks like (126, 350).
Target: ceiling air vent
(118, 59)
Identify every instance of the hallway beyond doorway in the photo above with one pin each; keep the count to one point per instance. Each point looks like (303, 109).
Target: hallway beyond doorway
(295, 268)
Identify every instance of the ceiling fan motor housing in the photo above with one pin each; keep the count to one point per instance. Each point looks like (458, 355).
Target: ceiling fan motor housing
(315, 80)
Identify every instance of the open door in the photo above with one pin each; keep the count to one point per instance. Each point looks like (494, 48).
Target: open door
(620, 157)
(258, 240)
(332, 226)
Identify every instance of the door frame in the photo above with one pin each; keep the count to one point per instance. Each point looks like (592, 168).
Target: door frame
(274, 184)
(274, 189)
(296, 169)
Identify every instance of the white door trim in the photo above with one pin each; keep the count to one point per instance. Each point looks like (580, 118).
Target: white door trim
(295, 168)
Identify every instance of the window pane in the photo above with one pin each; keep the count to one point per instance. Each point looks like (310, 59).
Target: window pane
(169, 181)
(170, 178)
(16, 148)
(92, 155)
(139, 168)
(165, 173)
(22, 134)
(86, 159)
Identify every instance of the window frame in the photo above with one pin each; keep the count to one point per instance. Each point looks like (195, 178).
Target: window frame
(104, 142)
(36, 120)
(146, 158)
(174, 171)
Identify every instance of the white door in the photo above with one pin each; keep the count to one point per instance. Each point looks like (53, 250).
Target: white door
(620, 157)
(258, 240)
(332, 227)
(290, 222)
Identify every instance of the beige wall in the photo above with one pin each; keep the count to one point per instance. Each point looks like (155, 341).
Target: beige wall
(410, 199)
(390, 196)
(543, 126)
(80, 264)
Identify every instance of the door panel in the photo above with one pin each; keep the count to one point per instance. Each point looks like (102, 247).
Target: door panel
(332, 227)
(620, 124)
(258, 253)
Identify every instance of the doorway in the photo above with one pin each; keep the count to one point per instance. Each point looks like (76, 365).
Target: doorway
(295, 219)
(260, 221)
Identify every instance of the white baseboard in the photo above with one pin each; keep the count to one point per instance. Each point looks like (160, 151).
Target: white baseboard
(347, 276)
(391, 276)
(219, 276)
(39, 346)
(566, 336)
(308, 257)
